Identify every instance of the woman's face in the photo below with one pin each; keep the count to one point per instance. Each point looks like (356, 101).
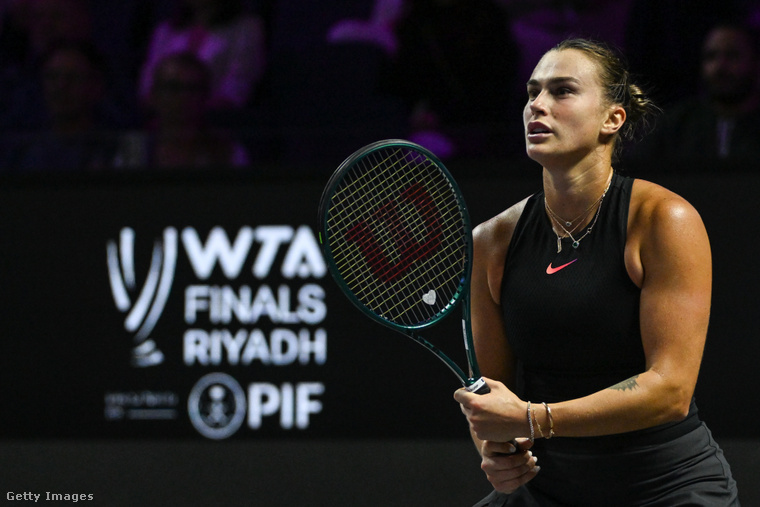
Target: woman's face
(566, 110)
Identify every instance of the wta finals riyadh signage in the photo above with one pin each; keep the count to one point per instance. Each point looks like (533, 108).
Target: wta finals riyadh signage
(184, 308)
(227, 307)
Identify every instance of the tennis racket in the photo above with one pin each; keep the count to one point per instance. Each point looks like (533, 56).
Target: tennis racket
(397, 238)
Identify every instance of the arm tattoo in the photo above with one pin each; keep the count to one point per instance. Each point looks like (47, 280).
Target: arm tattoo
(626, 384)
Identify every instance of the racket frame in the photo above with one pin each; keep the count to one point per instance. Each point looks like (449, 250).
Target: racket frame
(472, 381)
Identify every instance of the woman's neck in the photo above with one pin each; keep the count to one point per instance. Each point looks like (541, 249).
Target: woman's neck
(570, 193)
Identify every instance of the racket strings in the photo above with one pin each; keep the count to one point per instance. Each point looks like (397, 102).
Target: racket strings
(350, 194)
(374, 182)
(363, 206)
(436, 277)
(412, 243)
(373, 204)
(429, 285)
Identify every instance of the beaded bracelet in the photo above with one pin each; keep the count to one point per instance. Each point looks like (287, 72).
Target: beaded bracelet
(530, 423)
(551, 420)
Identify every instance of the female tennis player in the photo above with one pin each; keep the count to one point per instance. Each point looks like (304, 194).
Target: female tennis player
(590, 307)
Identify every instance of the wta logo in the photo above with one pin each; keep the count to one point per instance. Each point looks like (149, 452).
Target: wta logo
(143, 305)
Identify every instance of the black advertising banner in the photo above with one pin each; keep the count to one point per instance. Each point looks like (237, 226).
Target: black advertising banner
(201, 307)
(197, 308)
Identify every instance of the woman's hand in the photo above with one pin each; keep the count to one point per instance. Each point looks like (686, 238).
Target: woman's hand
(498, 416)
(506, 467)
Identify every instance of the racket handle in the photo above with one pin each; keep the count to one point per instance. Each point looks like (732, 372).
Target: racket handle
(478, 387)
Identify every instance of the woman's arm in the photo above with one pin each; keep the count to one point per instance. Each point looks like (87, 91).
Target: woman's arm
(668, 256)
(495, 358)
(505, 467)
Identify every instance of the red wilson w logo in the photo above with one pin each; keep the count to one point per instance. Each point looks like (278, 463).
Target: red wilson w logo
(395, 218)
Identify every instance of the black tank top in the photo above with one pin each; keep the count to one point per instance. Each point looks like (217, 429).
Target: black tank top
(572, 318)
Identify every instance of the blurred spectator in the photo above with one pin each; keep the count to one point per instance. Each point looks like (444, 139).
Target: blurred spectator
(222, 34)
(455, 67)
(75, 133)
(378, 30)
(322, 98)
(32, 28)
(539, 25)
(662, 41)
(179, 135)
(723, 121)
(301, 26)
(39, 24)
(121, 30)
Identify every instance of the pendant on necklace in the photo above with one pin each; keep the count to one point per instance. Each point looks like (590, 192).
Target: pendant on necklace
(559, 244)
(575, 244)
(568, 224)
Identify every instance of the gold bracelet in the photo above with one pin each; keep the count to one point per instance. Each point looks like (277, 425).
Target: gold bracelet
(551, 420)
(538, 425)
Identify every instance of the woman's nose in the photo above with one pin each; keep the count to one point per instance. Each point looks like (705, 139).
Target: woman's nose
(537, 104)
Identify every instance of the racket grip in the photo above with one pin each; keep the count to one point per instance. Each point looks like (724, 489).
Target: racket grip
(478, 387)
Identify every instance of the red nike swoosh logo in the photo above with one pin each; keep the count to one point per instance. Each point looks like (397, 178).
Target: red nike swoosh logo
(551, 270)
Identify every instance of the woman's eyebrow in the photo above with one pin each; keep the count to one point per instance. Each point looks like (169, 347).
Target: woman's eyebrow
(554, 81)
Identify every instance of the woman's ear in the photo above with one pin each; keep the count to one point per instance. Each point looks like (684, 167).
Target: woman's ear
(615, 119)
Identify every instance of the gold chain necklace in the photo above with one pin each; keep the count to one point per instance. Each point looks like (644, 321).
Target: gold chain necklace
(558, 220)
(555, 218)
(569, 223)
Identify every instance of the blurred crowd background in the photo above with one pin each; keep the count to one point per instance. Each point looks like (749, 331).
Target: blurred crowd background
(292, 87)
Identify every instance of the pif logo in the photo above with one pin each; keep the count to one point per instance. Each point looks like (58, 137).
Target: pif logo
(143, 305)
(216, 406)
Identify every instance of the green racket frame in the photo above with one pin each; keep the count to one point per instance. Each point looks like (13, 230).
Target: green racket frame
(472, 380)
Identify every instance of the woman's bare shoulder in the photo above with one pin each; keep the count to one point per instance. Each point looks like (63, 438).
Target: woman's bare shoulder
(662, 227)
(492, 237)
(502, 222)
(652, 203)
